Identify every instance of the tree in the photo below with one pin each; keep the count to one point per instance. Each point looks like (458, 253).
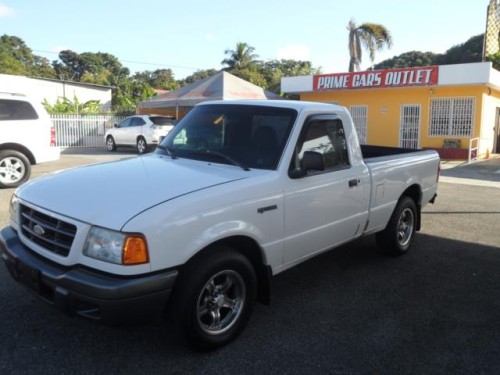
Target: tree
(272, 71)
(74, 66)
(251, 74)
(66, 106)
(470, 51)
(240, 58)
(495, 59)
(197, 76)
(371, 36)
(9, 64)
(159, 79)
(18, 59)
(408, 59)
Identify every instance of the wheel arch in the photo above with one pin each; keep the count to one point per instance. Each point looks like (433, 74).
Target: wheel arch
(415, 193)
(253, 252)
(19, 148)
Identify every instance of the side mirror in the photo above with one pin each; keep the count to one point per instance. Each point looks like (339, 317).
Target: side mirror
(310, 161)
(115, 125)
(313, 160)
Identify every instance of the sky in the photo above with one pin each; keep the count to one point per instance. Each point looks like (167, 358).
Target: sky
(189, 35)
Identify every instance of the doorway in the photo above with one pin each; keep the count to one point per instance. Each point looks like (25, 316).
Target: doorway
(409, 126)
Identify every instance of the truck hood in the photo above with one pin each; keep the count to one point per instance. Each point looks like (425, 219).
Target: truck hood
(110, 194)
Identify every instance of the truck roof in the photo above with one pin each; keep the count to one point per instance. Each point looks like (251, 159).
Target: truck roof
(293, 104)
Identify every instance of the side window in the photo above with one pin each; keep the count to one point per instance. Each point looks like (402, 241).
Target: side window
(326, 137)
(125, 123)
(137, 121)
(16, 110)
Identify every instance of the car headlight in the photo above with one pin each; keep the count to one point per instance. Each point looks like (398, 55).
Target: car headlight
(14, 211)
(116, 247)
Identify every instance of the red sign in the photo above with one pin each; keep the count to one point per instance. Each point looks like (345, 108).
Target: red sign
(407, 77)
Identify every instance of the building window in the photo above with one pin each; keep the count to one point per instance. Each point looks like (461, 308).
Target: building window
(452, 117)
(359, 114)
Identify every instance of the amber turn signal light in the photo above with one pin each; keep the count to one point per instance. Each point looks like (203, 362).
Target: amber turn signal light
(135, 251)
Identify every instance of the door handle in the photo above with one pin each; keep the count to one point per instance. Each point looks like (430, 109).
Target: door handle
(354, 182)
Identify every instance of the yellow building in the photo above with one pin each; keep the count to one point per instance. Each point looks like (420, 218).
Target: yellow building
(451, 108)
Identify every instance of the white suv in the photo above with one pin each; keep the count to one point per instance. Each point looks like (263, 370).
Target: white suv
(140, 131)
(26, 137)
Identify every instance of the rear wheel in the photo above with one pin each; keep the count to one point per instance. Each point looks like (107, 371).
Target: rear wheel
(110, 144)
(215, 297)
(142, 145)
(15, 168)
(397, 237)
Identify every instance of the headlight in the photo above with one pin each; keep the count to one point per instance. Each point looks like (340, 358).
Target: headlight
(14, 211)
(116, 247)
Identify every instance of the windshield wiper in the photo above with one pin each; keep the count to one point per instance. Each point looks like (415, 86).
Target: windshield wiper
(221, 155)
(170, 152)
(229, 159)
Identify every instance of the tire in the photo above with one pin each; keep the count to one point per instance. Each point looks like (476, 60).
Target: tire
(215, 297)
(142, 146)
(397, 237)
(15, 169)
(110, 144)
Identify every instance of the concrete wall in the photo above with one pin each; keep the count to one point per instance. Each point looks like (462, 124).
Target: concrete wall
(41, 89)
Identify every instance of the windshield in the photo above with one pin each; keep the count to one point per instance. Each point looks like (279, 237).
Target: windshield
(244, 135)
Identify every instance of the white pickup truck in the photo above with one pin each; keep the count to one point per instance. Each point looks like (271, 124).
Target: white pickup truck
(238, 192)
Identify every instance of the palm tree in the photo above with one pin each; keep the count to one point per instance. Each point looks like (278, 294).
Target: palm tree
(240, 58)
(371, 36)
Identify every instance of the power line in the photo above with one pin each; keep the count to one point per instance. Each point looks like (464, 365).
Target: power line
(133, 62)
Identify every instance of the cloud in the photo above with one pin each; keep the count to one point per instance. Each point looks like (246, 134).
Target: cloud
(6, 11)
(294, 52)
(209, 37)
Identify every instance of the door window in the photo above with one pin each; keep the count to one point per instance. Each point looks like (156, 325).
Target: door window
(125, 123)
(137, 121)
(326, 137)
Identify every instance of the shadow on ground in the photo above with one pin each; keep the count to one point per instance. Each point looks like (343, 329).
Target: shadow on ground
(349, 311)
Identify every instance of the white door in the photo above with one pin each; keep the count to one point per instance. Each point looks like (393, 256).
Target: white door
(120, 132)
(409, 126)
(324, 208)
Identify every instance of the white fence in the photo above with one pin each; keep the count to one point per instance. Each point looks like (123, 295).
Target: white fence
(473, 149)
(82, 131)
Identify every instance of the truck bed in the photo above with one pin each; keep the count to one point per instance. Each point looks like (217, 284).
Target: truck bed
(370, 151)
(393, 170)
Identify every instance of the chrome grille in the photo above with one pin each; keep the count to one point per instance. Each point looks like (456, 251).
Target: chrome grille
(50, 233)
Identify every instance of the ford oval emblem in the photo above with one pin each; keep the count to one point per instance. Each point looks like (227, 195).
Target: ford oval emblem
(39, 231)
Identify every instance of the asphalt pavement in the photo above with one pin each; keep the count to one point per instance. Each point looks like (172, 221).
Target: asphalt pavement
(435, 310)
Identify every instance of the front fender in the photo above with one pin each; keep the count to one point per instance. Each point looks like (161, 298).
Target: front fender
(177, 231)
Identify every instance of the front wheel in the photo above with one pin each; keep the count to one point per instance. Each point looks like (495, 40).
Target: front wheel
(397, 237)
(15, 168)
(215, 297)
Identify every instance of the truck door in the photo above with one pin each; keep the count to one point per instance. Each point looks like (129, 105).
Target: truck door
(328, 207)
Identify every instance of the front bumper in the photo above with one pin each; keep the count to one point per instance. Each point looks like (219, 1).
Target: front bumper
(84, 292)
